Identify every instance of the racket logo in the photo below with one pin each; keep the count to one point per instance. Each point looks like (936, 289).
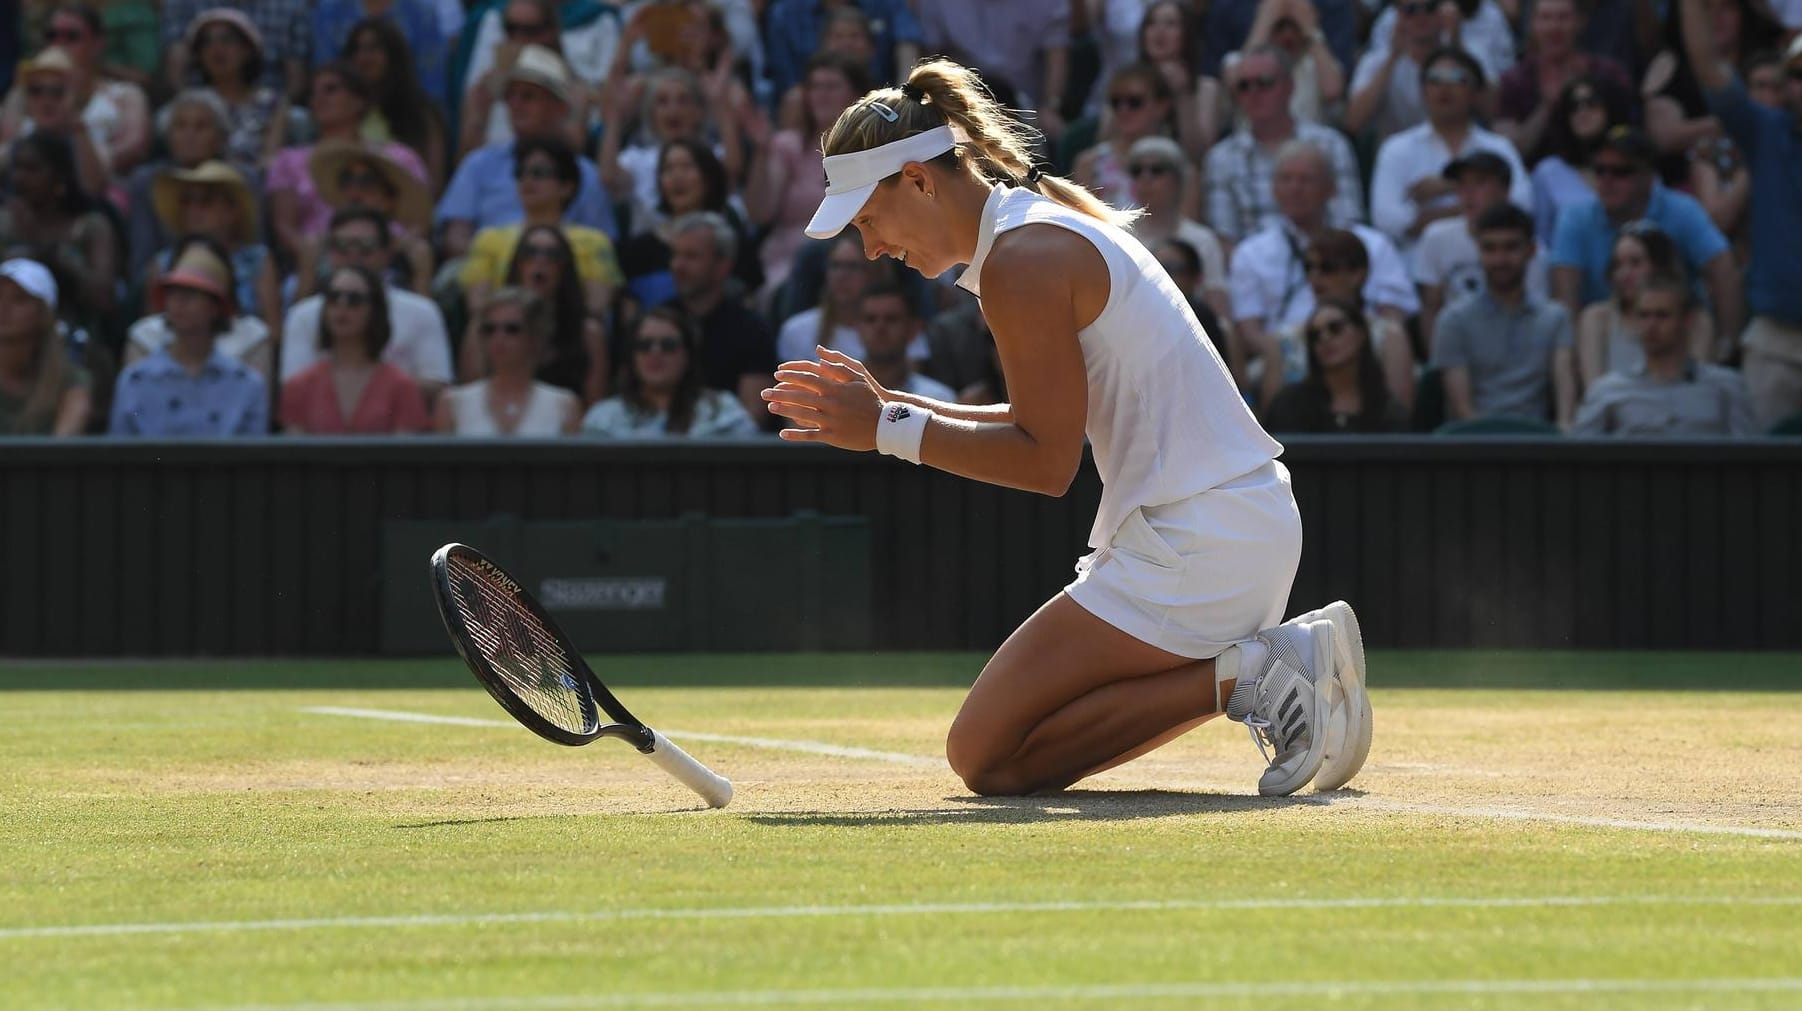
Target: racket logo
(494, 573)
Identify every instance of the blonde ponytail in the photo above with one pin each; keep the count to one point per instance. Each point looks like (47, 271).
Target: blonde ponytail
(940, 92)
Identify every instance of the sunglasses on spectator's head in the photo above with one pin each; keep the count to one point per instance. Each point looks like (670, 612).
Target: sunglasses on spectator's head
(1615, 170)
(347, 296)
(511, 328)
(1154, 168)
(1327, 328)
(1127, 101)
(667, 345)
(1448, 75)
(1262, 82)
(515, 29)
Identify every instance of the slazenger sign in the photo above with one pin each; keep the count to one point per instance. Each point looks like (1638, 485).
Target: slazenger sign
(604, 594)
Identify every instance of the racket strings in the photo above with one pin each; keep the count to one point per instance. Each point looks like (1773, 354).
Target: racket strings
(522, 651)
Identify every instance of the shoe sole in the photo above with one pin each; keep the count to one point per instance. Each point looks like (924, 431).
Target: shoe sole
(1348, 750)
(1325, 656)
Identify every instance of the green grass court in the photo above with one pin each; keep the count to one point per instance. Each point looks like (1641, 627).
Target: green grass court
(1557, 830)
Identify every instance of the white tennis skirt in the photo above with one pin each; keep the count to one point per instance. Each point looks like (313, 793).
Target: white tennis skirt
(1195, 576)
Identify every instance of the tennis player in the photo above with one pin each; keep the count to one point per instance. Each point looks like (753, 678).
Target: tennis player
(1174, 617)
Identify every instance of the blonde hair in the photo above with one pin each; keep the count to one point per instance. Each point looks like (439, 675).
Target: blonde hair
(996, 146)
(50, 376)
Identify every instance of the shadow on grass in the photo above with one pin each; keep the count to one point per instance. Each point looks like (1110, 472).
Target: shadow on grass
(1071, 805)
(1489, 669)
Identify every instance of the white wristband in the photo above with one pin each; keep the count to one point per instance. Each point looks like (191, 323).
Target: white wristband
(899, 429)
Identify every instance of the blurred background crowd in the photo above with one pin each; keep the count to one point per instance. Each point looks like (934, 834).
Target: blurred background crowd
(534, 218)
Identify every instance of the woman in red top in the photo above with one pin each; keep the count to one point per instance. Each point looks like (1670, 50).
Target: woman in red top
(351, 390)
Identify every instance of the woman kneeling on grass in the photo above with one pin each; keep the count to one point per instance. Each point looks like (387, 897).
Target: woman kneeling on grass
(1175, 615)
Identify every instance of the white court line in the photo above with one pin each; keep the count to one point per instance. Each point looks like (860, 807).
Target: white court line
(1348, 800)
(810, 747)
(1075, 991)
(919, 909)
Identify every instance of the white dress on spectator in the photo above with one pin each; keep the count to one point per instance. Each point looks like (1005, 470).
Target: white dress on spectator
(418, 345)
(718, 415)
(542, 418)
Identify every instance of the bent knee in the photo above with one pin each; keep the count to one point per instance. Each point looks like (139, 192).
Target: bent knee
(985, 773)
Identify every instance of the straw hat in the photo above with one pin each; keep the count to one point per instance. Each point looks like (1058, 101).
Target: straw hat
(226, 15)
(165, 195)
(544, 68)
(199, 270)
(54, 60)
(413, 205)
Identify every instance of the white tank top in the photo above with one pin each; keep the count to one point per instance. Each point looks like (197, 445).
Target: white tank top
(542, 417)
(1165, 419)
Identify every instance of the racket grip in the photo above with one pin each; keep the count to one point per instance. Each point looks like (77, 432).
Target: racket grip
(715, 789)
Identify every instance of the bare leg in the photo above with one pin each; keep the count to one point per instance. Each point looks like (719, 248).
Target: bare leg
(1068, 695)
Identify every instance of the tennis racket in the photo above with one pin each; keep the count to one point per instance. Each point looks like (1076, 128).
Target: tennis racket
(524, 660)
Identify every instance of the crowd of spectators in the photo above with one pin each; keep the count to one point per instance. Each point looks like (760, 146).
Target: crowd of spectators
(579, 218)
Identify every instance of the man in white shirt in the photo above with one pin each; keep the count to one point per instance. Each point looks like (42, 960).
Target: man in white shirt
(888, 327)
(1269, 273)
(419, 346)
(1447, 265)
(1408, 191)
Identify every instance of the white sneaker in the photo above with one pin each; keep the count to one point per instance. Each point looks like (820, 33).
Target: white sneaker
(1348, 724)
(1285, 705)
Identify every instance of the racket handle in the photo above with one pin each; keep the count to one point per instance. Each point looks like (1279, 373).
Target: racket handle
(715, 789)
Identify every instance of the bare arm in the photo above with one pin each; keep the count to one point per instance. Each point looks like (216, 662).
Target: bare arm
(1432, 299)
(1564, 387)
(1458, 403)
(1725, 291)
(1527, 133)
(478, 104)
(1367, 100)
(1724, 196)
(269, 298)
(1699, 46)
(1567, 288)
(1041, 448)
(129, 149)
(72, 411)
(1592, 345)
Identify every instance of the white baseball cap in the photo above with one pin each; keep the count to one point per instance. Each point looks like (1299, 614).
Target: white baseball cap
(851, 178)
(34, 277)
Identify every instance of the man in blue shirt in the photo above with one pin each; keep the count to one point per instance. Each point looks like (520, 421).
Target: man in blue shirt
(1627, 190)
(1771, 141)
(792, 36)
(539, 92)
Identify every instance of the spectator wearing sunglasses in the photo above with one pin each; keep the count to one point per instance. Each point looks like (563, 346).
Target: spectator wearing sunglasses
(1528, 94)
(351, 390)
(1628, 190)
(1484, 30)
(1241, 167)
(1230, 24)
(1160, 175)
(1586, 110)
(548, 175)
(1772, 142)
(1343, 391)
(115, 112)
(333, 21)
(662, 393)
(1386, 88)
(1294, 27)
(1408, 187)
(417, 344)
(514, 328)
(1138, 105)
(43, 95)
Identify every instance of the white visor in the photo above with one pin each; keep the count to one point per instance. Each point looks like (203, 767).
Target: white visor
(851, 178)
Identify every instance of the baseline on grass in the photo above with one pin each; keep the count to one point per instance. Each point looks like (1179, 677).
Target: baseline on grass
(526, 662)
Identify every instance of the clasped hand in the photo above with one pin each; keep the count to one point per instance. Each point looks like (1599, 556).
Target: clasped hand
(833, 401)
